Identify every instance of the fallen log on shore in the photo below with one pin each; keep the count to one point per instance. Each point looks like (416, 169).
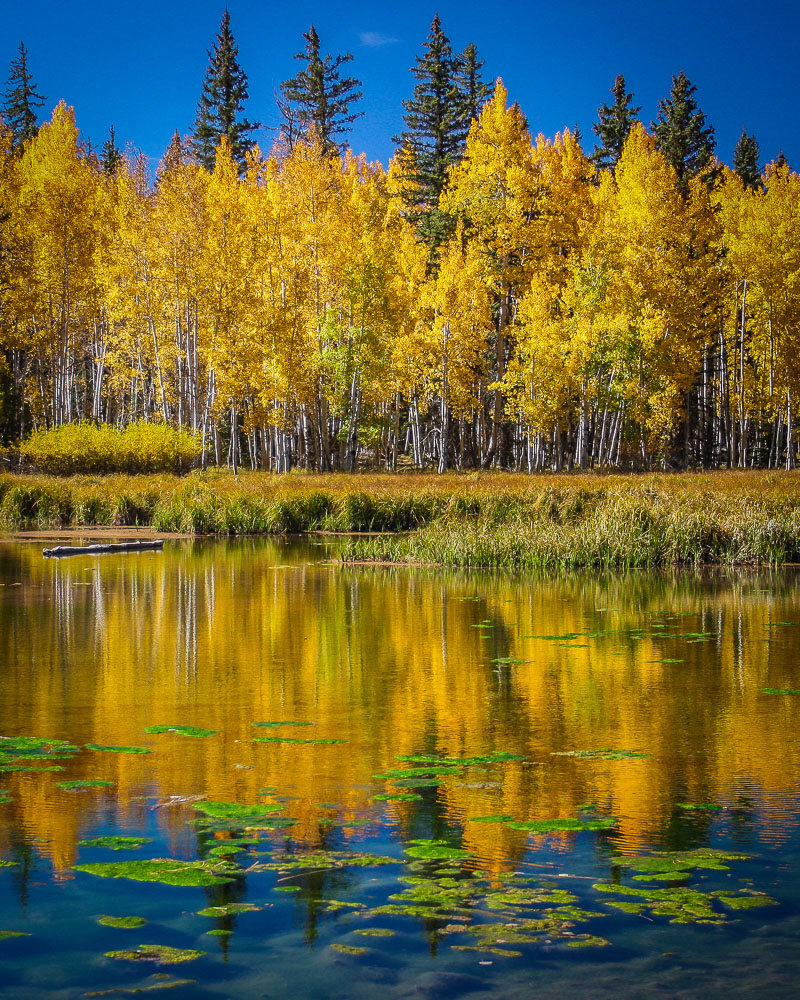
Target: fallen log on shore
(101, 548)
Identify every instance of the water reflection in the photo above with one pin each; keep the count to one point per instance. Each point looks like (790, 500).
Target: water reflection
(398, 662)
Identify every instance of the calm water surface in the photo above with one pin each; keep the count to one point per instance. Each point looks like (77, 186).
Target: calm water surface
(625, 696)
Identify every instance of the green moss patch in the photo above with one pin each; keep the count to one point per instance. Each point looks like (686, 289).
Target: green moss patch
(123, 923)
(182, 731)
(116, 843)
(164, 870)
(159, 953)
(117, 749)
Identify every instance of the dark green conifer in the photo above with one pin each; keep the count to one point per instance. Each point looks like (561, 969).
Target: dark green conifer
(615, 122)
(111, 155)
(221, 102)
(471, 89)
(318, 98)
(780, 160)
(21, 101)
(683, 135)
(745, 160)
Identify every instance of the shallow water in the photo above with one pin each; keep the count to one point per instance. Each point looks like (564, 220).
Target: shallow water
(670, 670)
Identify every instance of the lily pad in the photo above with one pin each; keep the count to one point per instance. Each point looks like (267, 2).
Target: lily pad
(588, 941)
(288, 888)
(219, 932)
(500, 818)
(746, 902)
(415, 772)
(397, 797)
(704, 806)
(164, 870)
(5, 935)
(117, 749)
(375, 932)
(566, 825)
(116, 843)
(159, 953)
(501, 757)
(8, 864)
(29, 770)
(182, 730)
(607, 754)
(123, 923)
(793, 691)
(77, 785)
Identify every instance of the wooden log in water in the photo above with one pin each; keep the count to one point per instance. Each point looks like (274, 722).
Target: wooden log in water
(101, 548)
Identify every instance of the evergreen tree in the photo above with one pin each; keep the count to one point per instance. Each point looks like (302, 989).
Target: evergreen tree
(682, 135)
(471, 89)
(448, 95)
(745, 160)
(21, 101)
(434, 118)
(318, 97)
(780, 160)
(221, 101)
(111, 156)
(614, 124)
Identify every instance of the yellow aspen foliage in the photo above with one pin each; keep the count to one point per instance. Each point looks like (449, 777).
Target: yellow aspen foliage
(56, 295)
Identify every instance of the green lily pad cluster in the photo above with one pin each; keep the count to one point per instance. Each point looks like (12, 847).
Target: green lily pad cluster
(82, 783)
(193, 731)
(607, 754)
(117, 749)
(168, 871)
(17, 753)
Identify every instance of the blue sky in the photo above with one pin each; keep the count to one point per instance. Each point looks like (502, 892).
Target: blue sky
(140, 65)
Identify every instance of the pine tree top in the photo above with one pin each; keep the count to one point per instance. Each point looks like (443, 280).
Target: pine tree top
(319, 98)
(614, 125)
(745, 160)
(682, 133)
(21, 101)
(221, 101)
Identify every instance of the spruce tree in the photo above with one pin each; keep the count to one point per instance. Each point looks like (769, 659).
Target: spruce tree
(221, 102)
(448, 94)
(318, 98)
(745, 160)
(21, 101)
(111, 155)
(780, 160)
(682, 134)
(613, 127)
(471, 89)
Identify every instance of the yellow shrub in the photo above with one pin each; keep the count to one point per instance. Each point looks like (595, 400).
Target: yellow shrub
(140, 447)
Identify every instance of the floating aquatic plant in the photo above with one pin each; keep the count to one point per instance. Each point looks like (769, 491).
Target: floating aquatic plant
(433, 850)
(81, 783)
(501, 757)
(8, 864)
(117, 749)
(182, 730)
(159, 953)
(607, 754)
(793, 691)
(164, 870)
(19, 746)
(750, 901)
(228, 909)
(416, 772)
(500, 818)
(7, 768)
(397, 797)
(375, 932)
(288, 888)
(123, 923)
(5, 935)
(703, 806)
(116, 843)
(325, 859)
(163, 982)
(291, 739)
(272, 725)
(235, 812)
(349, 949)
(565, 825)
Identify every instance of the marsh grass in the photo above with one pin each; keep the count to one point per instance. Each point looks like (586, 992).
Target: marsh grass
(479, 520)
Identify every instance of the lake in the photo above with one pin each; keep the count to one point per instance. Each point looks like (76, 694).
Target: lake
(429, 784)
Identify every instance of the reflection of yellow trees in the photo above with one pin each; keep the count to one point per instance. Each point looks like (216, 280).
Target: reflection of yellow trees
(222, 636)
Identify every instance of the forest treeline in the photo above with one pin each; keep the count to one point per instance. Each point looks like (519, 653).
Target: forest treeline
(508, 302)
